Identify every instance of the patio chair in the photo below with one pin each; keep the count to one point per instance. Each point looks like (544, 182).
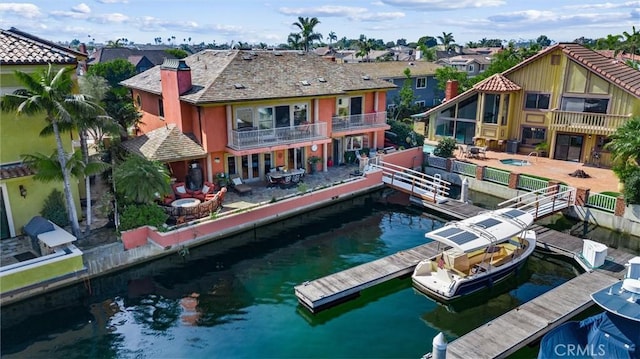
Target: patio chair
(482, 151)
(238, 186)
(271, 182)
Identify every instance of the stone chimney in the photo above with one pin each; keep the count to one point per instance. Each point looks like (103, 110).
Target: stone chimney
(451, 90)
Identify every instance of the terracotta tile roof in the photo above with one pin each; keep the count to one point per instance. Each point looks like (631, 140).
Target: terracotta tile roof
(614, 71)
(497, 83)
(17, 47)
(165, 144)
(260, 75)
(395, 69)
(15, 170)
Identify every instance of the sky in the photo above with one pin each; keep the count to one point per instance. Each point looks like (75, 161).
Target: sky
(270, 22)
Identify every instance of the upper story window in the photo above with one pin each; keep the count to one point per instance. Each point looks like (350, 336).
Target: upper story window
(244, 118)
(537, 101)
(421, 82)
(578, 104)
(471, 68)
(160, 108)
(421, 103)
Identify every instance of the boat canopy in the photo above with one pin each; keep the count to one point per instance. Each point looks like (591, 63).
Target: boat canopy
(485, 229)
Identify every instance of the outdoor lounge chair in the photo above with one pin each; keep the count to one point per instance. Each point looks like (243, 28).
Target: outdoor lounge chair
(239, 186)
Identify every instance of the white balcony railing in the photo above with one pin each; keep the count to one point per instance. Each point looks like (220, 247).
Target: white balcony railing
(252, 138)
(596, 123)
(363, 121)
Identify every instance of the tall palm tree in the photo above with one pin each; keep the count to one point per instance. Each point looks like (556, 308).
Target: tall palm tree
(48, 168)
(447, 40)
(307, 34)
(364, 47)
(50, 92)
(332, 37)
(611, 42)
(631, 42)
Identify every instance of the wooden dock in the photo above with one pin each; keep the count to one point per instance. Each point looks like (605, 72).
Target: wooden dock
(327, 291)
(513, 330)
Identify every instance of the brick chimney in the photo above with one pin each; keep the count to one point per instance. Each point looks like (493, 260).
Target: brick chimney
(451, 90)
(82, 48)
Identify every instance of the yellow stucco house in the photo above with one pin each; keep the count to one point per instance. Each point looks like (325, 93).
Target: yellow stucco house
(568, 96)
(22, 198)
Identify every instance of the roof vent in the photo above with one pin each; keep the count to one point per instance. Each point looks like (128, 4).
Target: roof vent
(305, 83)
(238, 86)
(322, 79)
(300, 53)
(277, 53)
(247, 57)
(366, 77)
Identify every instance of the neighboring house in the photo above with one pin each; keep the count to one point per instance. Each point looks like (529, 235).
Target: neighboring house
(22, 198)
(351, 56)
(569, 96)
(472, 65)
(250, 111)
(423, 81)
(141, 59)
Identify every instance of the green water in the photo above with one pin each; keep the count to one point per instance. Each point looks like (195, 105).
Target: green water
(235, 298)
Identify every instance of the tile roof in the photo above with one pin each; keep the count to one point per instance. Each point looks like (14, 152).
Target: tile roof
(395, 69)
(15, 170)
(165, 144)
(106, 54)
(20, 48)
(262, 74)
(497, 83)
(614, 71)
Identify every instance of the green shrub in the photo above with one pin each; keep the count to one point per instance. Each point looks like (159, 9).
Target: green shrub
(632, 187)
(135, 216)
(445, 147)
(55, 210)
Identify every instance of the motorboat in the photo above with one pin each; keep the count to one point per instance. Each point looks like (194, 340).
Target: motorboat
(614, 333)
(477, 253)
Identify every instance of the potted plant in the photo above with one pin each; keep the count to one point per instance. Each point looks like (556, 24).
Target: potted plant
(313, 163)
(542, 148)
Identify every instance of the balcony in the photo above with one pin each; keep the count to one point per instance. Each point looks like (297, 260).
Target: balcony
(586, 122)
(359, 122)
(253, 138)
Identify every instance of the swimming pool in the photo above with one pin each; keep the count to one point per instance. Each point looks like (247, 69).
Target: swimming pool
(515, 162)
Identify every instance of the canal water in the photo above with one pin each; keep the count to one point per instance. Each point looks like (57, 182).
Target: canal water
(234, 298)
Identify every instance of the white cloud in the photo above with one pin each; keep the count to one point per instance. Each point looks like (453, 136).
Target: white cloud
(110, 18)
(113, 1)
(68, 14)
(608, 5)
(29, 11)
(81, 8)
(349, 12)
(440, 5)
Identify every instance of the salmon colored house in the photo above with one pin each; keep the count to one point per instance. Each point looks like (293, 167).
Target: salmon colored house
(568, 96)
(245, 112)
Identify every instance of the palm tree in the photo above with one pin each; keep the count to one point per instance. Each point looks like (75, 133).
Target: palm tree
(306, 26)
(332, 37)
(294, 41)
(611, 42)
(446, 40)
(631, 42)
(48, 168)
(50, 92)
(364, 47)
(141, 181)
(625, 142)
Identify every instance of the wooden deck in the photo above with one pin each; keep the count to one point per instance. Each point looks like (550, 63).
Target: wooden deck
(333, 289)
(513, 330)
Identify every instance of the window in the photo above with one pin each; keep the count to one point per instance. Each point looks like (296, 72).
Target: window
(592, 105)
(491, 107)
(420, 103)
(421, 82)
(244, 118)
(300, 114)
(160, 108)
(537, 101)
(138, 101)
(354, 143)
(265, 118)
(471, 68)
(343, 106)
(531, 136)
(391, 107)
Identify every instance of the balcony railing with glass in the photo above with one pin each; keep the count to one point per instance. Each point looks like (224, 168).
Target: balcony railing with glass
(251, 138)
(596, 123)
(356, 122)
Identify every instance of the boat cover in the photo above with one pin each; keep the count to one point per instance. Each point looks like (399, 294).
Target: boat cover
(483, 230)
(605, 335)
